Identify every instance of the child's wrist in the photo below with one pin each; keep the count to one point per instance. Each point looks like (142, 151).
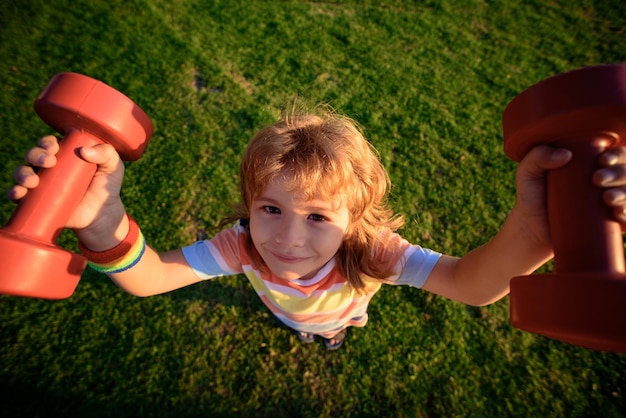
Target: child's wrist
(104, 234)
(123, 256)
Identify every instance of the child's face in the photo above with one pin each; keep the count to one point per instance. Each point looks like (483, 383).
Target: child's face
(296, 237)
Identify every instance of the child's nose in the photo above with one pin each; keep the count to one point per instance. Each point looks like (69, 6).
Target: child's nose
(291, 233)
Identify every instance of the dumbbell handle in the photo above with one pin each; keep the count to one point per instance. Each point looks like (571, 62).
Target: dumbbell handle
(43, 213)
(584, 234)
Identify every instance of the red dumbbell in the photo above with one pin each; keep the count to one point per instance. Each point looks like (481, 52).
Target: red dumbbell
(584, 301)
(87, 112)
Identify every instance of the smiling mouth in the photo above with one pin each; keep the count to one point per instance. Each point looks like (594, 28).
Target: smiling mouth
(288, 259)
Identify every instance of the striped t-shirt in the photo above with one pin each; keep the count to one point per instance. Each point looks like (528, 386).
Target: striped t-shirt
(323, 304)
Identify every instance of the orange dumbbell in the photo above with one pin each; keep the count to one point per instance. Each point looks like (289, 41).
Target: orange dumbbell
(584, 301)
(87, 112)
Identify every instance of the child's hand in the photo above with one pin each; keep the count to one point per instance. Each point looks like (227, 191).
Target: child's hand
(101, 212)
(531, 185)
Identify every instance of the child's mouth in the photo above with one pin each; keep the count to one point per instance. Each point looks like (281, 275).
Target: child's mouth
(287, 259)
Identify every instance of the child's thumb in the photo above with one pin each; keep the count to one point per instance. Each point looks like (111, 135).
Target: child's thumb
(543, 158)
(104, 155)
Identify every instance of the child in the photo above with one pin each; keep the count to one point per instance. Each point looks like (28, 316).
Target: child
(314, 234)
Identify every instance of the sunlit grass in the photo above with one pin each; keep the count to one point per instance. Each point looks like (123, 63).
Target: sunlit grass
(428, 82)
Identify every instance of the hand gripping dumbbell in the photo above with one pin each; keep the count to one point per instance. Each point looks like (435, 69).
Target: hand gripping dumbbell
(87, 112)
(584, 301)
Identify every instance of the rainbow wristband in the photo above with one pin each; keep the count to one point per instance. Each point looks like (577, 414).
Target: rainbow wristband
(120, 258)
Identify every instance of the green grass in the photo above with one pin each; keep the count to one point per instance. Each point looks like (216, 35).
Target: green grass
(427, 80)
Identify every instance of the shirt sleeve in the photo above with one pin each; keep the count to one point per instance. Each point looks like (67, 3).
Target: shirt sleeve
(219, 256)
(411, 263)
(419, 263)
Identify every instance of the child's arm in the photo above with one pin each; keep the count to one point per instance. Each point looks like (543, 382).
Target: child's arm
(523, 244)
(101, 223)
(156, 273)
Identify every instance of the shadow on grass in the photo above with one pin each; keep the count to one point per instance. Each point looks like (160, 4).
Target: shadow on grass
(27, 401)
(93, 354)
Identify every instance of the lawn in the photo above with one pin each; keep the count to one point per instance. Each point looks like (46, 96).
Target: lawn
(428, 82)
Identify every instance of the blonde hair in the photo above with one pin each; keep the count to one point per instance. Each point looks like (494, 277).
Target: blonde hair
(325, 155)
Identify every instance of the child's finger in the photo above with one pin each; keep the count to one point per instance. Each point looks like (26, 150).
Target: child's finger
(613, 157)
(40, 157)
(611, 176)
(615, 197)
(16, 193)
(25, 177)
(50, 143)
(619, 213)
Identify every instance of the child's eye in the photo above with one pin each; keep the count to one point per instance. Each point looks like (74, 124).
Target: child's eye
(317, 218)
(271, 209)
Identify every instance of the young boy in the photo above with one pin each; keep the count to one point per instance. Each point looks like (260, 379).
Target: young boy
(314, 234)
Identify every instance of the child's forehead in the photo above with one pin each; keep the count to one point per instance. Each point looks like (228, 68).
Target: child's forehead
(284, 188)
